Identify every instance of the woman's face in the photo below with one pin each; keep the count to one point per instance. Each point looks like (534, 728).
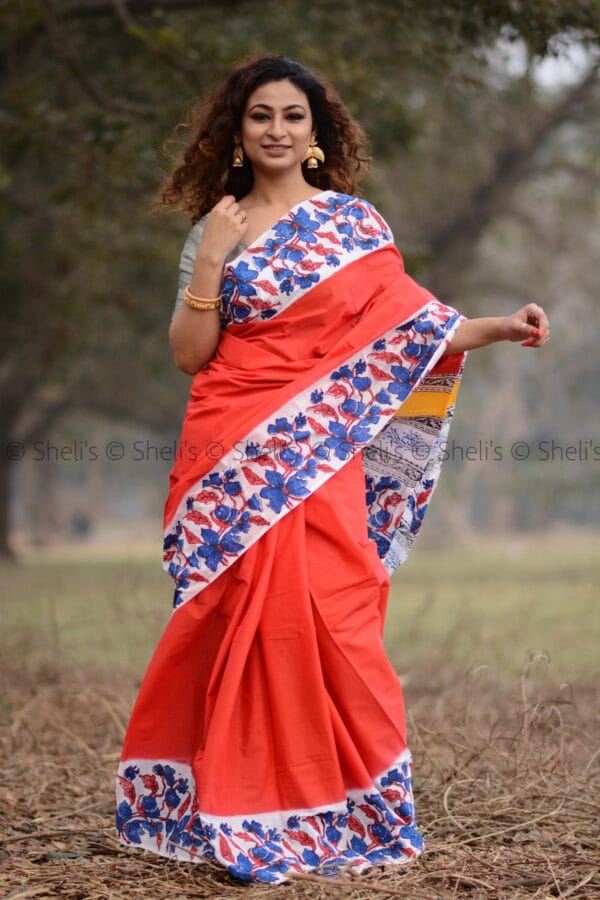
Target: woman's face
(276, 126)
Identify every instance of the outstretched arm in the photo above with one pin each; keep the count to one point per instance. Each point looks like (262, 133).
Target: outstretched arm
(529, 325)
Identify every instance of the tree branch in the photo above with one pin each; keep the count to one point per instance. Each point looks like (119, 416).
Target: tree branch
(72, 64)
(454, 242)
(93, 8)
(526, 219)
(131, 27)
(44, 419)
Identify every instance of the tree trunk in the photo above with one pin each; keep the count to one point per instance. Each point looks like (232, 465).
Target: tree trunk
(453, 244)
(7, 553)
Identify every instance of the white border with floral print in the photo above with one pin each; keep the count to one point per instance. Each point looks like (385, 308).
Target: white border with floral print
(387, 804)
(318, 261)
(183, 557)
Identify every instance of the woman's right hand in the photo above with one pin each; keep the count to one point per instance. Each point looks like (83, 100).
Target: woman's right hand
(225, 226)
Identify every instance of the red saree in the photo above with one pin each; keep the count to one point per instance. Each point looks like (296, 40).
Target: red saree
(269, 733)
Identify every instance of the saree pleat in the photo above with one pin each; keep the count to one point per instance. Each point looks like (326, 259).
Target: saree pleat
(268, 733)
(290, 633)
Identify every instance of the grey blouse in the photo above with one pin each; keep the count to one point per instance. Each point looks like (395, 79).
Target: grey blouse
(188, 258)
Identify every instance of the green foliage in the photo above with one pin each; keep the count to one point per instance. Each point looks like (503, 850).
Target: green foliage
(90, 95)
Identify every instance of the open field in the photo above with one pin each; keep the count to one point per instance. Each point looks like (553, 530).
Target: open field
(488, 602)
(496, 646)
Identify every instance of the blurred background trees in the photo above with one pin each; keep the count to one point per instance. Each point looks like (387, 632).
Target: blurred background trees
(482, 120)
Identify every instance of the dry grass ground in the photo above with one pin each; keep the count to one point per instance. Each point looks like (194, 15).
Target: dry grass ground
(506, 763)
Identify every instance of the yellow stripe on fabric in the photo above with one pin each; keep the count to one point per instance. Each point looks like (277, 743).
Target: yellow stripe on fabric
(428, 403)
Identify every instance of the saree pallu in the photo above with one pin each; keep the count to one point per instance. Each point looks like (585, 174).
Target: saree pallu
(269, 732)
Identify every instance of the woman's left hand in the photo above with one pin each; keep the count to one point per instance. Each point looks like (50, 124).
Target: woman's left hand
(530, 322)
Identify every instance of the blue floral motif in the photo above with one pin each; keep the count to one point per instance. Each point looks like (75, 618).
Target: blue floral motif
(409, 833)
(171, 798)
(253, 827)
(343, 372)
(216, 546)
(280, 424)
(339, 202)
(285, 459)
(353, 408)
(376, 826)
(123, 814)
(343, 439)
(252, 449)
(280, 489)
(150, 807)
(238, 283)
(296, 253)
(284, 274)
(403, 381)
(300, 226)
(243, 277)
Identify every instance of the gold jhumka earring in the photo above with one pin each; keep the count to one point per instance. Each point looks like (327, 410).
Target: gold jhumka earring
(313, 153)
(238, 153)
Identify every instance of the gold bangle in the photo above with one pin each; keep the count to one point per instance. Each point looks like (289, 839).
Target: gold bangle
(201, 302)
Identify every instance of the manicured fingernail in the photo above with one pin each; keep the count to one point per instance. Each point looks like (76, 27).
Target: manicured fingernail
(536, 331)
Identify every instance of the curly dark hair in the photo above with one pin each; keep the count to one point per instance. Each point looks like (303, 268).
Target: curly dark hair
(206, 172)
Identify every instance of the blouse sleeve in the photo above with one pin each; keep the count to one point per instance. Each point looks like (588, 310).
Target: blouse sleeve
(187, 260)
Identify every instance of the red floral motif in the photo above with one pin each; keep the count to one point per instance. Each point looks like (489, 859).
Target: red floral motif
(303, 444)
(157, 808)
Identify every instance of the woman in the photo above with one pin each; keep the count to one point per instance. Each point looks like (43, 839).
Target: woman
(269, 733)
